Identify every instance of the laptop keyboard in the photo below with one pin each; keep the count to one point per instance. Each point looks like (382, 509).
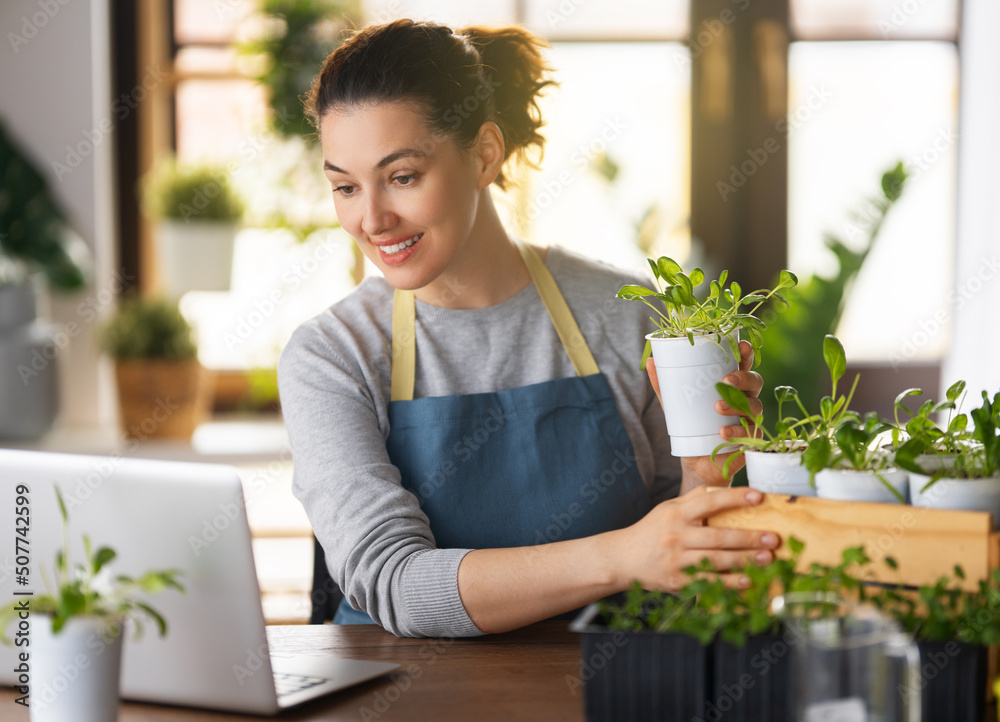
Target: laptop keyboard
(286, 684)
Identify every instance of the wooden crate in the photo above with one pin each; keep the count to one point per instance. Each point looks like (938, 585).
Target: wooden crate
(926, 543)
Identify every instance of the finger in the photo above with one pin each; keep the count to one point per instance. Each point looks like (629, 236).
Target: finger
(756, 408)
(746, 356)
(653, 378)
(709, 537)
(727, 561)
(749, 382)
(700, 504)
(729, 432)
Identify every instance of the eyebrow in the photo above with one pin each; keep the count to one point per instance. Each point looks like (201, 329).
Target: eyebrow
(391, 158)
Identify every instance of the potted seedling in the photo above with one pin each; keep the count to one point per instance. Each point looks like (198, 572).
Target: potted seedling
(954, 629)
(776, 461)
(972, 480)
(857, 469)
(697, 345)
(75, 630)
(708, 652)
(198, 214)
(773, 459)
(163, 391)
(920, 444)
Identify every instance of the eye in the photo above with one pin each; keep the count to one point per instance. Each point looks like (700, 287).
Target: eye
(344, 190)
(405, 180)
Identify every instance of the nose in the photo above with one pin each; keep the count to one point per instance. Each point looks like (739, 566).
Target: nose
(378, 215)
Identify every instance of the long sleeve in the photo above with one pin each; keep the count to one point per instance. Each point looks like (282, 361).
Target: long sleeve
(378, 544)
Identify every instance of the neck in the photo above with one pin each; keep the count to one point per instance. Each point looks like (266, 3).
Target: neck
(486, 271)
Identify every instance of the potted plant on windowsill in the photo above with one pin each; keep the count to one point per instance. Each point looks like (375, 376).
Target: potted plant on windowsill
(972, 480)
(36, 245)
(163, 391)
(697, 345)
(198, 213)
(82, 616)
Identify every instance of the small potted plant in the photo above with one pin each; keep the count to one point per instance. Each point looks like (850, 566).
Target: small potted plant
(953, 629)
(708, 652)
(82, 615)
(697, 345)
(773, 459)
(163, 391)
(972, 480)
(198, 213)
(857, 469)
(776, 462)
(920, 444)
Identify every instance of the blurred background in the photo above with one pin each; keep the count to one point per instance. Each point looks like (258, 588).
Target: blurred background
(740, 134)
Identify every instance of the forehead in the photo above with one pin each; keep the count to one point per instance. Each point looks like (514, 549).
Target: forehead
(355, 138)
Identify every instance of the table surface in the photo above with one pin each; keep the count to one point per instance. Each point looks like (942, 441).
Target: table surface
(523, 675)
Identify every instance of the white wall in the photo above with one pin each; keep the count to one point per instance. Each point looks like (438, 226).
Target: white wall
(54, 92)
(975, 349)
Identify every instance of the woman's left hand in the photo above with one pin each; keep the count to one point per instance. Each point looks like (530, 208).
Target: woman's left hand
(700, 470)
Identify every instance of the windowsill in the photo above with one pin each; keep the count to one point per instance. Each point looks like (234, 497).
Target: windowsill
(226, 439)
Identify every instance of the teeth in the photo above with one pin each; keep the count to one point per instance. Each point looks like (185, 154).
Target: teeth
(397, 247)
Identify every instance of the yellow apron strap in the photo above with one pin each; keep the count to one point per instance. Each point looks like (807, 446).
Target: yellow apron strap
(404, 338)
(562, 318)
(404, 346)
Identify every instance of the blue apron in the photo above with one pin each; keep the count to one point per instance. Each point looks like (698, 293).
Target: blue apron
(531, 465)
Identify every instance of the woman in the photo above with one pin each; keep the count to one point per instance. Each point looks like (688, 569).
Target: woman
(470, 461)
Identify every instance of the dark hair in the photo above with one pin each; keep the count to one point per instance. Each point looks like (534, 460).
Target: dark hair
(461, 78)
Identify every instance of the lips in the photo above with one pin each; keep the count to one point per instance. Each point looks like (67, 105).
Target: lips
(394, 254)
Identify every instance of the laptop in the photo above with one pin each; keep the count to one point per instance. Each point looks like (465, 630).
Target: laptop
(162, 515)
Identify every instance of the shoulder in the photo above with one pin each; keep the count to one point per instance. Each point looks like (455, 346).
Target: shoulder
(574, 268)
(352, 334)
(591, 287)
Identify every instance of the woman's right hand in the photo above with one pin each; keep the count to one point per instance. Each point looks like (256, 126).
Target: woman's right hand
(656, 549)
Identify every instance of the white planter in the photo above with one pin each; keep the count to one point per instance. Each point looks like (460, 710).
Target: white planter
(849, 485)
(75, 673)
(29, 357)
(196, 255)
(778, 473)
(935, 462)
(961, 494)
(687, 375)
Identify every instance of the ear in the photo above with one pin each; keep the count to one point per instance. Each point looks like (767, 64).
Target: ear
(489, 151)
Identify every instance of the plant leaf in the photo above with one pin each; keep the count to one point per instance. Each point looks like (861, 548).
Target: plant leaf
(835, 357)
(734, 397)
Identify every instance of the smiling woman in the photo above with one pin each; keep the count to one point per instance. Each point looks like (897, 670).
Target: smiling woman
(470, 461)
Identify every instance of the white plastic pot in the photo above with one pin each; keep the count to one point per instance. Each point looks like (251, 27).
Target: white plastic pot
(850, 485)
(196, 255)
(961, 494)
(687, 375)
(75, 673)
(778, 472)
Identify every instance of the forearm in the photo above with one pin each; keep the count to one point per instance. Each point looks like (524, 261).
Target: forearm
(504, 589)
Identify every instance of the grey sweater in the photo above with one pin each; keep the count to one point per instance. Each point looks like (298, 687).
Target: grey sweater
(334, 381)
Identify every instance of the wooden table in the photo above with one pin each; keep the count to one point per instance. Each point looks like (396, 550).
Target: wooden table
(520, 675)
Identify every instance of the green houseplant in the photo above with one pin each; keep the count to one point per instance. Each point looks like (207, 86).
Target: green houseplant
(697, 344)
(928, 447)
(777, 460)
(728, 654)
(81, 616)
(971, 477)
(36, 243)
(198, 212)
(163, 391)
